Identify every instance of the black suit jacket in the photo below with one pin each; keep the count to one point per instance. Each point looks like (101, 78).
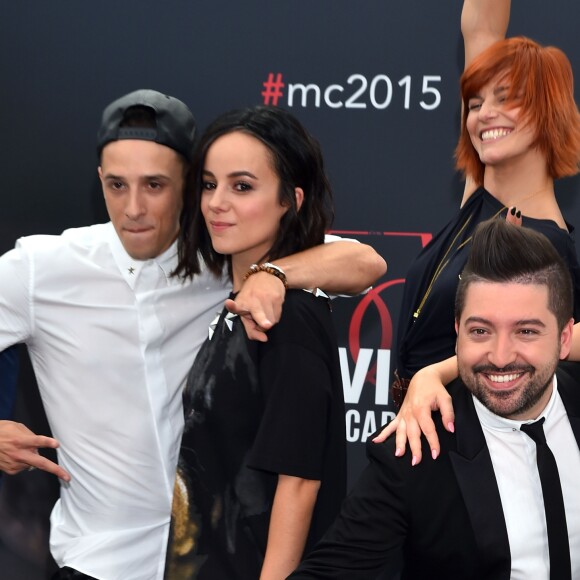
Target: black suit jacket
(442, 519)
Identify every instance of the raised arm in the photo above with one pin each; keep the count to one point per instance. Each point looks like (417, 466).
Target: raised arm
(483, 22)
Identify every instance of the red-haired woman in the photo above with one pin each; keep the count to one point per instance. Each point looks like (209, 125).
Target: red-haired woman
(520, 131)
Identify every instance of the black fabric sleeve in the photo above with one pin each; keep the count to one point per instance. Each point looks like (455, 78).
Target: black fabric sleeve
(296, 381)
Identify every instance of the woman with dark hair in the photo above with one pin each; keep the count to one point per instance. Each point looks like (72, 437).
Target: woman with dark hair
(262, 466)
(520, 131)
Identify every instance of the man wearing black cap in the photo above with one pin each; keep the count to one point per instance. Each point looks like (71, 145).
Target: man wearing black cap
(112, 334)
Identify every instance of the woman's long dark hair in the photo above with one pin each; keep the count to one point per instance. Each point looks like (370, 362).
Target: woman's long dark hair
(297, 162)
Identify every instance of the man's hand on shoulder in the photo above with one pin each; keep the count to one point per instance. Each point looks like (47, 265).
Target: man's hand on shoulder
(259, 304)
(19, 450)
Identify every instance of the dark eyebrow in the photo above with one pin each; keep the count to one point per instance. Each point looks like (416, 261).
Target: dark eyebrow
(112, 176)
(477, 319)
(523, 322)
(158, 176)
(241, 173)
(530, 322)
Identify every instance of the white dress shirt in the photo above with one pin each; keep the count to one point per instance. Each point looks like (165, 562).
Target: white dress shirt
(111, 340)
(513, 455)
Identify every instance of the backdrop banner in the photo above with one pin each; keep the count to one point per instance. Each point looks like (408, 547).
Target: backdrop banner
(376, 82)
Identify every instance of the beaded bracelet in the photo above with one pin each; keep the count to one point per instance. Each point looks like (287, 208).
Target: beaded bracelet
(269, 269)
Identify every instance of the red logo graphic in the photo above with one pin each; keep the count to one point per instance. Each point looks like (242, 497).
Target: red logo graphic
(374, 303)
(273, 89)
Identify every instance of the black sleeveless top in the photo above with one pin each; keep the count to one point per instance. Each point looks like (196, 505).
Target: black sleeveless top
(430, 336)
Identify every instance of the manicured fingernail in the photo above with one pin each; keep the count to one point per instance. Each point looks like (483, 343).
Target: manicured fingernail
(398, 452)
(414, 462)
(434, 453)
(451, 427)
(513, 211)
(518, 214)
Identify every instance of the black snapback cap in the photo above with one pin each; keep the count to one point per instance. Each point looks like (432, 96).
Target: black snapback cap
(175, 125)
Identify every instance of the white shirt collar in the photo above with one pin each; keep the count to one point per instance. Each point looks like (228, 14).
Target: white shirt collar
(131, 268)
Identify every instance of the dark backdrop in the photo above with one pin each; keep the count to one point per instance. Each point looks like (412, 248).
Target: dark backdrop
(376, 82)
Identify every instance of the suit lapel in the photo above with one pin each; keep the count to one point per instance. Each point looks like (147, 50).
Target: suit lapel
(568, 374)
(474, 472)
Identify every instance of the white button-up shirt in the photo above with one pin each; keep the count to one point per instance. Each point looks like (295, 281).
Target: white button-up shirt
(111, 340)
(513, 455)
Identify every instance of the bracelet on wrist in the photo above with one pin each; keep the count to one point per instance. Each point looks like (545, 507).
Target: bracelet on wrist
(269, 269)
